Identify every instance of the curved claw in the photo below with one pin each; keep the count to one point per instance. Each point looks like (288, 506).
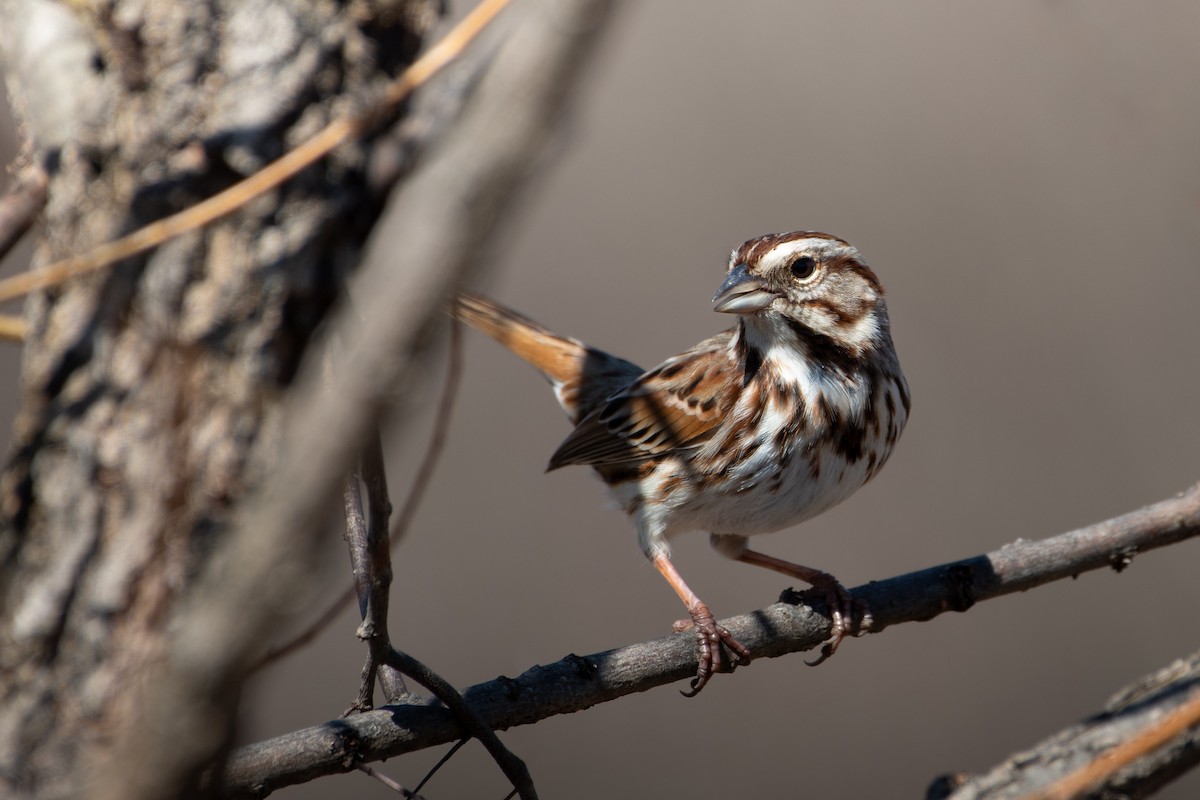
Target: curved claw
(709, 638)
(842, 610)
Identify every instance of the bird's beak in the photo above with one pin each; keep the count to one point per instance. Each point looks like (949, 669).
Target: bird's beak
(742, 293)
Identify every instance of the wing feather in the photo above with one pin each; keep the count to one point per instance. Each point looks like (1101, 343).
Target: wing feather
(674, 407)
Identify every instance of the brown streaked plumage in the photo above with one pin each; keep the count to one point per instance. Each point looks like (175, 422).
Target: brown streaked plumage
(759, 427)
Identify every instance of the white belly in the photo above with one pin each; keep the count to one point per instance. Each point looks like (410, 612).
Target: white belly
(764, 491)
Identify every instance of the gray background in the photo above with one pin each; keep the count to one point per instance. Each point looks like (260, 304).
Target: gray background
(1024, 178)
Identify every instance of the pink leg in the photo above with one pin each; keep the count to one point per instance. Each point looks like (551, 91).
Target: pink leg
(841, 603)
(709, 635)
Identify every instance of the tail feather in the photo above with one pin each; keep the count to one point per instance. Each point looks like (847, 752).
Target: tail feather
(556, 356)
(582, 376)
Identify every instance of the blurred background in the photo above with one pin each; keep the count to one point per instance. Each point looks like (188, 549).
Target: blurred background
(1025, 179)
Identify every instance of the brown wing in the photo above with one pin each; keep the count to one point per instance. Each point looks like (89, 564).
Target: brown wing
(673, 407)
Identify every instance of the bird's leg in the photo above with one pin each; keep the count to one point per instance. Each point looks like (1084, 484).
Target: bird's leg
(709, 635)
(842, 604)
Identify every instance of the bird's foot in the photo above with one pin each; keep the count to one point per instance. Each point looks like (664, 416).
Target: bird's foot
(709, 638)
(850, 615)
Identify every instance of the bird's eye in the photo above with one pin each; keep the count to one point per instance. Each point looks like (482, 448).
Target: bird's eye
(803, 267)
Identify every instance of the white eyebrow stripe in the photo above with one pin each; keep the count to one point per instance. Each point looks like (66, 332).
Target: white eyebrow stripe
(820, 249)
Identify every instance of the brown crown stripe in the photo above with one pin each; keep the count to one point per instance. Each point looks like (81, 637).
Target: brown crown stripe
(753, 250)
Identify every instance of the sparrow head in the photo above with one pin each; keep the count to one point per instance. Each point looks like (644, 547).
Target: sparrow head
(815, 283)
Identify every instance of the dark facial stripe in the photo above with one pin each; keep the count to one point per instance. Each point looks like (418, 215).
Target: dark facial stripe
(752, 364)
(824, 351)
(835, 312)
(750, 357)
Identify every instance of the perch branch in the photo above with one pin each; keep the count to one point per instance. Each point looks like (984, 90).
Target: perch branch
(579, 682)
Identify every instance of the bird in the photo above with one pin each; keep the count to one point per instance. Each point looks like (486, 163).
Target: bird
(753, 430)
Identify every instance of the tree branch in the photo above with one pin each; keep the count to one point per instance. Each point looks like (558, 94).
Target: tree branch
(370, 557)
(578, 682)
(431, 234)
(1145, 737)
(371, 564)
(391, 784)
(412, 501)
(514, 768)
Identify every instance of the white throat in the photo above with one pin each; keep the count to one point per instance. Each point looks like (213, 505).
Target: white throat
(785, 356)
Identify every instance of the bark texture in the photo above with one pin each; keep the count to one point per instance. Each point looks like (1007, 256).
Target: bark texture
(1036, 773)
(149, 393)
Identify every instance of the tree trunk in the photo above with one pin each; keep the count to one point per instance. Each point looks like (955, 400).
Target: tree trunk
(149, 391)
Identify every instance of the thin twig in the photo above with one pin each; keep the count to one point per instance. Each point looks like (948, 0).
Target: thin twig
(513, 767)
(272, 175)
(357, 536)
(379, 562)
(442, 762)
(309, 634)
(12, 329)
(412, 501)
(576, 683)
(370, 557)
(437, 440)
(372, 570)
(391, 784)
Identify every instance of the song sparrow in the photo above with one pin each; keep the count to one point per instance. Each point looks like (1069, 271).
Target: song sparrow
(760, 427)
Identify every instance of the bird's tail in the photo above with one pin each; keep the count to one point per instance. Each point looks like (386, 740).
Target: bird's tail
(582, 376)
(559, 357)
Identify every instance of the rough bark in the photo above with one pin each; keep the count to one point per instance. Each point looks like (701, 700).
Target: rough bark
(1080, 749)
(150, 392)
